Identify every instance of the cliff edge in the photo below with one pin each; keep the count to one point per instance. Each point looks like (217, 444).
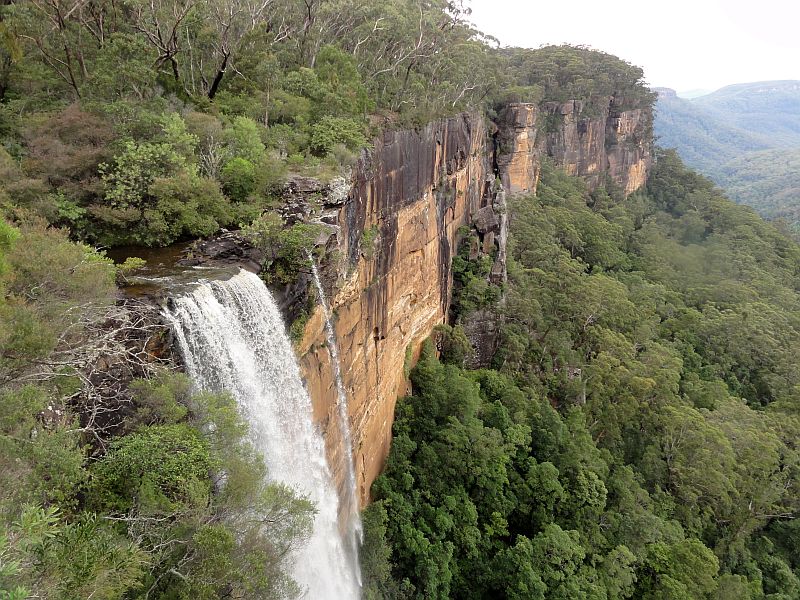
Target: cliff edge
(411, 198)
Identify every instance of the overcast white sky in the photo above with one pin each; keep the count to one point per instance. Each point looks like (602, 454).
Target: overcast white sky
(682, 44)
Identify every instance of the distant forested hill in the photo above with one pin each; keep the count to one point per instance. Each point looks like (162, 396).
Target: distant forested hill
(768, 108)
(745, 137)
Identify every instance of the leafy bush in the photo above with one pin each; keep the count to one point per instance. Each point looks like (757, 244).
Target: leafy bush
(579, 73)
(287, 140)
(471, 289)
(344, 93)
(52, 286)
(153, 468)
(330, 131)
(185, 205)
(154, 512)
(244, 139)
(287, 249)
(127, 180)
(239, 179)
(520, 93)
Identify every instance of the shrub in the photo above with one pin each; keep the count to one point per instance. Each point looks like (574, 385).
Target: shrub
(243, 137)
(298, 327)
(123, 68)
(453, 344)
(239, 179)
(520, 93)
(152, 469)
(127, 179)
(343, 92)
(286, 249)
(329, 131)
(286, 139)
(369, 241)
(184, 205)
(344, 158)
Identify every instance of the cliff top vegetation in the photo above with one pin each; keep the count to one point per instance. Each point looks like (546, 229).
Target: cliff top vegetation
(148, 122)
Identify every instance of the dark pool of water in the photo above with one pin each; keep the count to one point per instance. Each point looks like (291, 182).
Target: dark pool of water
(161, 274)
(160, 261)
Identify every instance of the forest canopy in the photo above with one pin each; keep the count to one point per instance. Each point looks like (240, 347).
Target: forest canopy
(150, 122)
(636, 436)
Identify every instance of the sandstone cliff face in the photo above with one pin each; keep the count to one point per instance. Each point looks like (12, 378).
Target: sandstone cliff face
(387, 272)
(590, 144)
(628, 147)
(613, 142)
(389, 284)
(518, 154)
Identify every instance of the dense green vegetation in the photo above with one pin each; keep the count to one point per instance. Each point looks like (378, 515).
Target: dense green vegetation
(746, 138)
(152, 493)
(768, 180)
(562, 73)
(146, 123)
(635, 438)
(637, 434)
(143, 123)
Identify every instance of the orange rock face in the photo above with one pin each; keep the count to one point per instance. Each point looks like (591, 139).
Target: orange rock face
(388, 273)
(518, 154)
(592, 146)
(397, 236)
(613, 143)
(629, 157)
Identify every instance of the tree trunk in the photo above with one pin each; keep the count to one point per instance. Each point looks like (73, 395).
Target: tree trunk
(212, 91)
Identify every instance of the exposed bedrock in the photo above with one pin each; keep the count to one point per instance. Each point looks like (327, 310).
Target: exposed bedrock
(388, 277)
(393, 231)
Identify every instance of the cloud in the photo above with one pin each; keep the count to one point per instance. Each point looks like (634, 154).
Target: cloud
(682, 44)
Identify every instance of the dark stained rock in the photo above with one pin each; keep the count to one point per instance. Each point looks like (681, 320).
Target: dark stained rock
(485, 221)
(482, 328)
(227, 249)
(307, 198)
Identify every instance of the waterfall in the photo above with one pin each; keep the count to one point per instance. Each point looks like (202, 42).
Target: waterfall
(354, 529)
(233, 339)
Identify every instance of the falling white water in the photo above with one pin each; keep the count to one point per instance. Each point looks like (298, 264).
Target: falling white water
(354, 529)
(233, 338)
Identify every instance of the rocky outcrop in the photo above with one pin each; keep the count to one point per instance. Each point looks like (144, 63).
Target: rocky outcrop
(594, 143)
(629, 137)
(590, 142)
(518, 155)
(226, 249)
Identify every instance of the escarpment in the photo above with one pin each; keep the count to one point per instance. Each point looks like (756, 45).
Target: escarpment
(393, 235)
(389, 274)
(591, 142)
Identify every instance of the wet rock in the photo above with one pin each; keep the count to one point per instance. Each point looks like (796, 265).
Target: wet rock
(226, 249)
